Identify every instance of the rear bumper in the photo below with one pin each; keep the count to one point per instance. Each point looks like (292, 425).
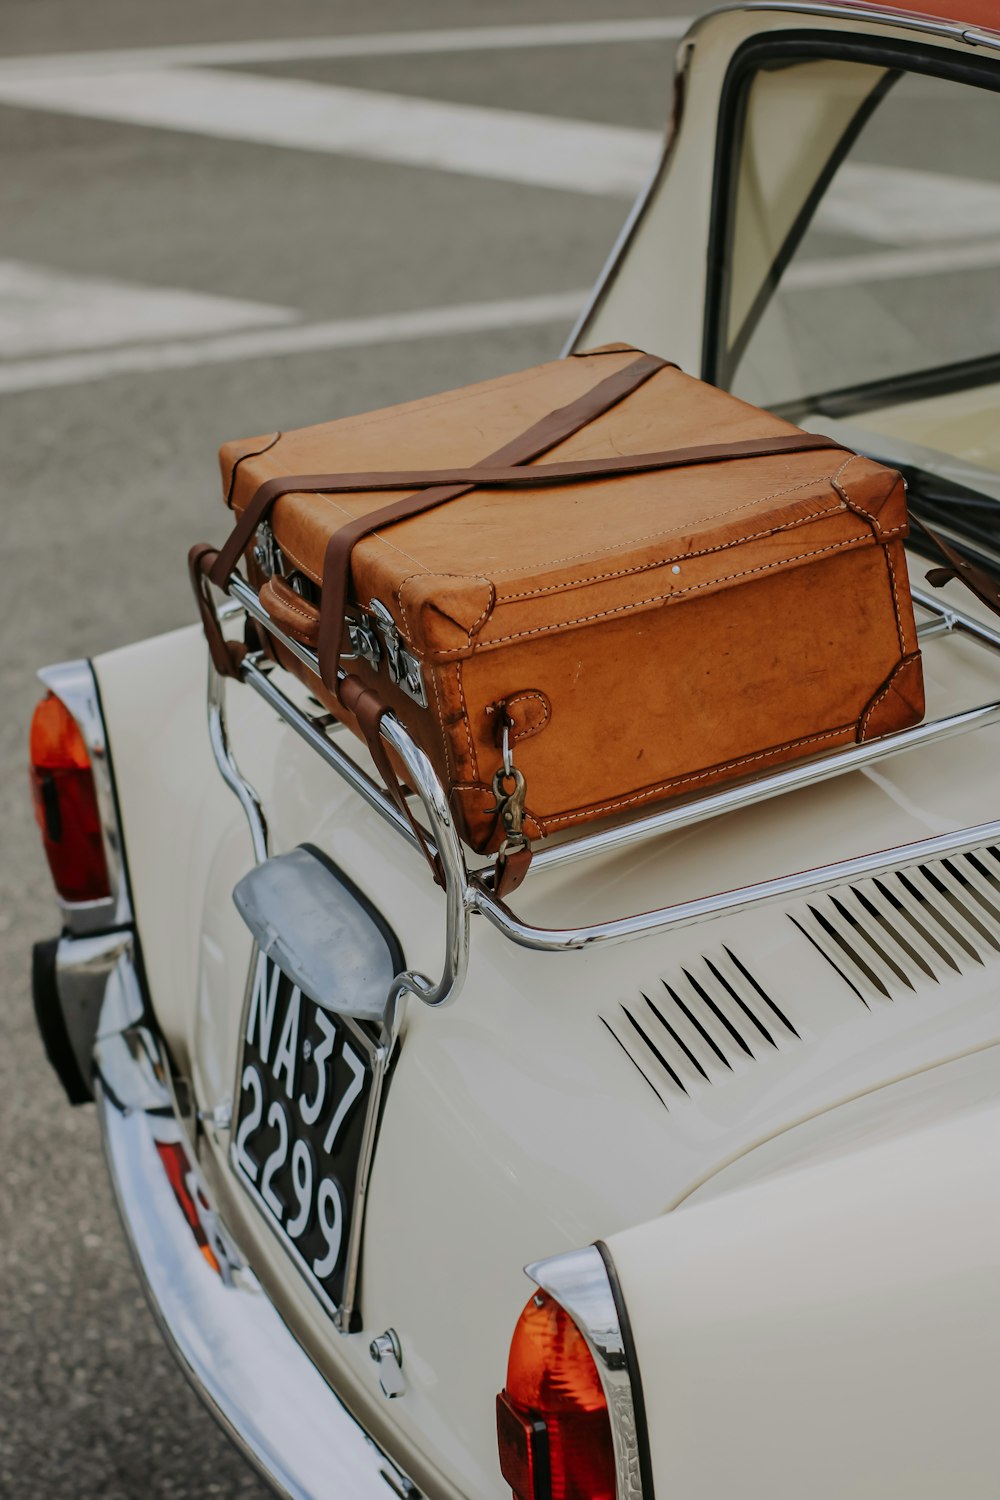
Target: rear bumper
(229, 1339)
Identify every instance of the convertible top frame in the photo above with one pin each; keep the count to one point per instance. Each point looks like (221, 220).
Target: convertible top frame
(470, 889)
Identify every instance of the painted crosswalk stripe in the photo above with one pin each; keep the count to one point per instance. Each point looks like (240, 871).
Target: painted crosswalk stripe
(557, 309)
(892, 265)
(44, 311)
(885, 204)
(908, 206)
(383, 44)
(540, 150)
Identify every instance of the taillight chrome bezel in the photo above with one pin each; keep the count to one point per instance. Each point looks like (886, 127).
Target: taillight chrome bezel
(584, 1285)
(74, 684)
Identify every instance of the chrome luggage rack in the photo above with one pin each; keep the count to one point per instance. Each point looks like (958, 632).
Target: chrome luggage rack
(470, 891)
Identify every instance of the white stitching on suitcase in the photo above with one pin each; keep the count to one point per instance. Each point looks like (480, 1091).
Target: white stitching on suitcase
(841, 489)
(465, 721)
(448, 757)
(576, 556)
(573, 557)
(727, 765)
(874, 705)
(895, 599)
(297, 609)
(550, 588)
(879, 535)
(530, 729)
(650, 536)
(466, 578)
(659, 598)
(299, 563)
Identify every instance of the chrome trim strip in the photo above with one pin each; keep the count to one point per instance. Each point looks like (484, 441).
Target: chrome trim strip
(579, 1282)
(687, 913)
(802, 774)
(468, 891)
(420, 774)
(241, 591)
(871, 15)
(84, 968)
(945, 620)
(442, 839)
(74, 684)
(226, 1334)
(218, 734)
(256, 671)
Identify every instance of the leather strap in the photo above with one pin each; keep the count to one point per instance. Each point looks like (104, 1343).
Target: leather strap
(552, 429)
(977, 580)
(524, 476)
(511, 871)
(538, 439)
(368, 709)
(226, 655)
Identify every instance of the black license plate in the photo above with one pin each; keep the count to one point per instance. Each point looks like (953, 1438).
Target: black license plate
(302, 1131)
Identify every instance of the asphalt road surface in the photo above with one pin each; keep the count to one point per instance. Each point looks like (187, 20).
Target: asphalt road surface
(189, 255)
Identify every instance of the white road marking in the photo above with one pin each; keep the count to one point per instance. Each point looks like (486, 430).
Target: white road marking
(303, 338)
(42, 311)
(902, 206)
(501, 144)
(888, 205)
(384, 44)
(890, 265)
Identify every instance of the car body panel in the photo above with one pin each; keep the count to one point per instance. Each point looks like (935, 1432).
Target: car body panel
(515, 1125)
(832, 1331)
(533, 1116)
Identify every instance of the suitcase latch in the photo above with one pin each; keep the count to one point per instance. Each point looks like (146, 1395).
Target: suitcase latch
(265, 550)
(364, 642)
(404, 668)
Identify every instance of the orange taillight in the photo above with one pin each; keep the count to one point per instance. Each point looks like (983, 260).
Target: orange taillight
(175, 1164)
(62, 786)
(553, 1428)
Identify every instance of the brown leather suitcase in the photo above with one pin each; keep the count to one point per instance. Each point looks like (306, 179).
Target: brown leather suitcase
(637, 583)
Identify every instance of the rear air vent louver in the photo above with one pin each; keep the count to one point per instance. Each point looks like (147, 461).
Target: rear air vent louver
(887, 937)
(703, 1025)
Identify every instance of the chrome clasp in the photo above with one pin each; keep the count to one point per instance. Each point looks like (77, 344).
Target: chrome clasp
(404, 668)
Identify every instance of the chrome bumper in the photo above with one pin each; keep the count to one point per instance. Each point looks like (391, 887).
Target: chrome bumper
(230, 1341)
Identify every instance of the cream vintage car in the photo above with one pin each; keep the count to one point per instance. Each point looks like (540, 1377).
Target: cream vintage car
(676, 1174)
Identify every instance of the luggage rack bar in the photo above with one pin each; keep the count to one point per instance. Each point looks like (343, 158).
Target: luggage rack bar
(470, 890)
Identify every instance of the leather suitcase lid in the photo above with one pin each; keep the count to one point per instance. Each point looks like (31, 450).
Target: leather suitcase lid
(495, 566)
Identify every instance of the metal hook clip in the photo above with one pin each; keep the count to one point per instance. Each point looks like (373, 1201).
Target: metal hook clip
(510, 804)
